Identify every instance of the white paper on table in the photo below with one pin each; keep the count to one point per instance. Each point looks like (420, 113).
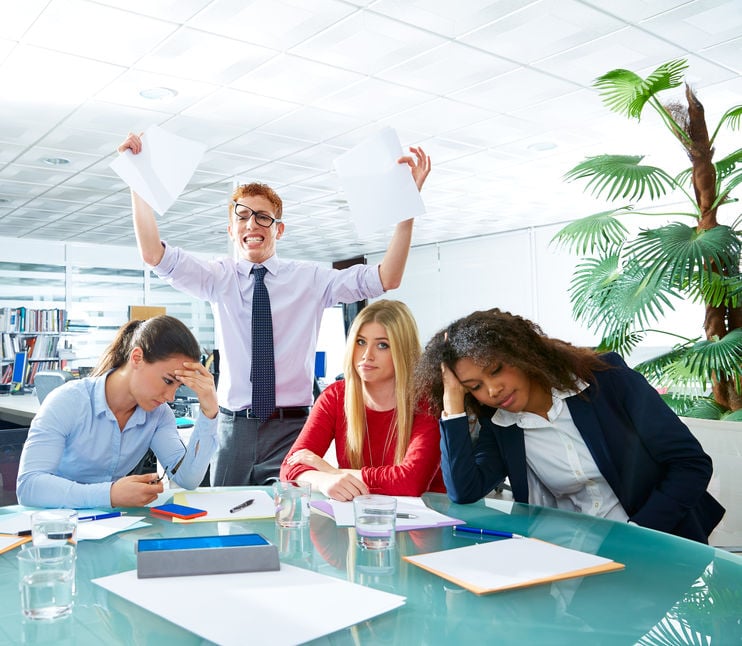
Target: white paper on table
(510, 563)
(380, 192)
(15, 523)
(218, 504)
(91, 530)
(424, 516)
(159, 173)
(288, 606)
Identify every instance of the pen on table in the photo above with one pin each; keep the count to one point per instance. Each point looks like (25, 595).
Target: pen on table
(485, 532)
(403, 515)
(242, 505)
(112, 514)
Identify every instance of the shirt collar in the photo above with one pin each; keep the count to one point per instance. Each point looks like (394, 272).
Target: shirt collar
(101, 406)
(503, 417)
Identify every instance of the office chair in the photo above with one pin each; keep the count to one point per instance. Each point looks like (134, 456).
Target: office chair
(47, 380)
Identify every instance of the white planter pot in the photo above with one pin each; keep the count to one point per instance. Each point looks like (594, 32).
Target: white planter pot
(723, 442)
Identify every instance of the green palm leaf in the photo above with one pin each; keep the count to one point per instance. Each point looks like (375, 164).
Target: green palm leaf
(679, 252)
(716, 290)
(621, 176)
(723, 192)
(623, 342)
(684, 177)
(601, 231)
(733, 117)
(721, 357)
(735, 416)
(654, 369)
(704, 408)
(726, 166)
(630, 300)
(625, 92)
(589, 283)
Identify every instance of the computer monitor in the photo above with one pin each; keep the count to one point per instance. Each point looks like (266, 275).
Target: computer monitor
(19, 371)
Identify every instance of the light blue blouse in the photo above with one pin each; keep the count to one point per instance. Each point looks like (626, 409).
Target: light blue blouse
(75, 449)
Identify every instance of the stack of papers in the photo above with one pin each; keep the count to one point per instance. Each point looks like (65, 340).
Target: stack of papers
(19, 524)
(511, 563)
(421, 516)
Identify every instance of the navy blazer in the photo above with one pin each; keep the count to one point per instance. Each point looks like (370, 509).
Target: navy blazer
(652, 461)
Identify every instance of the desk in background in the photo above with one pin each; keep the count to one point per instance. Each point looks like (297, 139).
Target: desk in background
(668, 582)
(18, 410)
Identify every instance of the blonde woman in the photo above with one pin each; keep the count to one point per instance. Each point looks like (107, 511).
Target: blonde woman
(384, 441)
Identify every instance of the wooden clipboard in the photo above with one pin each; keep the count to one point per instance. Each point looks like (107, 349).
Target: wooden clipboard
(484, 568)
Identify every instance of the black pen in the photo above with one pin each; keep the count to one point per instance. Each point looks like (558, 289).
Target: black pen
(242, 505)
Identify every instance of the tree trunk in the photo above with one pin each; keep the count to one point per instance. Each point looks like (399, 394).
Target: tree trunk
(719, 321)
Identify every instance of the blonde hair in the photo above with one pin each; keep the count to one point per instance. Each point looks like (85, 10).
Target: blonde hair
(404, 343)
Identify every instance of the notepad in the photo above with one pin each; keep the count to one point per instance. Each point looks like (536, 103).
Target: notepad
(218, 504)
(511, 563)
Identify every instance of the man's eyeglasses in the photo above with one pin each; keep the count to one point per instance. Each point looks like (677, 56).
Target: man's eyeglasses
(244, 213)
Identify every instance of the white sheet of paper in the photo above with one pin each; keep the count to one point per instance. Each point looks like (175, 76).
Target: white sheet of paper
(507, 563)
(218, 504)
(290, 606)
(380, 192)
(14, 523)
(424, 516)
(159, 173)
(96, 529)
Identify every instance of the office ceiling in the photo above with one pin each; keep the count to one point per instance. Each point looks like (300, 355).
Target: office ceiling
(498, 92)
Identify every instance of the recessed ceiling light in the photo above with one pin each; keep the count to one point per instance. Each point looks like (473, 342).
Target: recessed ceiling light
(158, 93)
(542, 145)
(55, 161)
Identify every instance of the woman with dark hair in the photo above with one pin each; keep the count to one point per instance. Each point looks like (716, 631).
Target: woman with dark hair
(384, 442)
(90, 433)
(570, 428)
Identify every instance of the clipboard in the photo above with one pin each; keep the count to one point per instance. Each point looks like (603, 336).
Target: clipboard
(9, 542)
(484, 568)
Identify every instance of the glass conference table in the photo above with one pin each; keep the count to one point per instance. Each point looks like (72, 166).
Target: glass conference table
(672, 591)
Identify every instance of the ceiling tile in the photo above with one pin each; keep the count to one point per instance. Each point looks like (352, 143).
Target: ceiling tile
(239, 108)
(367, 43)
(278, 24)
(296, 79)
(548, 26)
(204, 57)
(451, 66)
(17, 17)
(92, 31)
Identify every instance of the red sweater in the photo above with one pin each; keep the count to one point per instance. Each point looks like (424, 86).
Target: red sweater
(419, 471)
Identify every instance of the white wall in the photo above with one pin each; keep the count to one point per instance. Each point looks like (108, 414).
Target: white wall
(518, 271)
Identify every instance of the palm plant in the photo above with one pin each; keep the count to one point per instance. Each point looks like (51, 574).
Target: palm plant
(623, 284)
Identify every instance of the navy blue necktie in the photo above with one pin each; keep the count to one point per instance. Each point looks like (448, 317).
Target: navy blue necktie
(263, 374)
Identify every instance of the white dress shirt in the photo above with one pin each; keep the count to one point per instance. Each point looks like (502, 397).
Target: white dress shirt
(561, 470)
(299, 293)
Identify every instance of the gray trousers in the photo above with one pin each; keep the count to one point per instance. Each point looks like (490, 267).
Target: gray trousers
(251, 453)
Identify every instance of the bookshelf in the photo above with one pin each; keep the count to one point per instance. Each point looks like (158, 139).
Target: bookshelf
(38, 332)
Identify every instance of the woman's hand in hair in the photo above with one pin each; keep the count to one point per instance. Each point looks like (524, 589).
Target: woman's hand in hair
(311, 459)
(135, 491)
(453, 392)
(199, 379)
